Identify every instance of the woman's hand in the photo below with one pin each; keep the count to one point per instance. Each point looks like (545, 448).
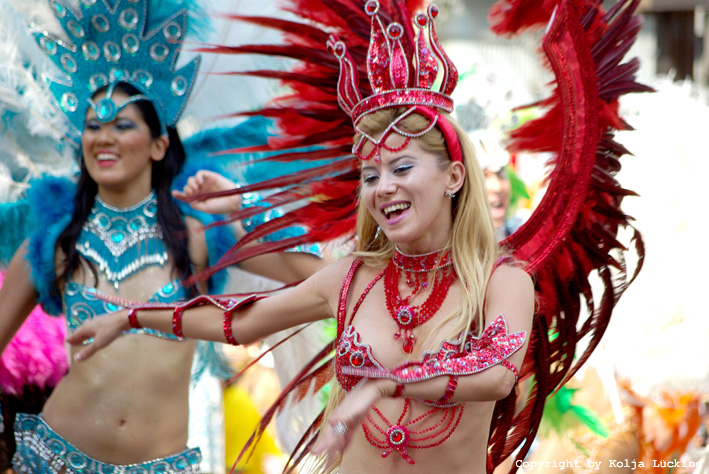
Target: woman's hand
(205, 182)
(349, 415)
(103, 329)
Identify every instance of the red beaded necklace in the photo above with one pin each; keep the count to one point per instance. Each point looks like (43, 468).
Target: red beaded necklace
(415, 269)
(400, 436)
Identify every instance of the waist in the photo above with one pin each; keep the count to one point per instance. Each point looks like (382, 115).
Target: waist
(126, 396)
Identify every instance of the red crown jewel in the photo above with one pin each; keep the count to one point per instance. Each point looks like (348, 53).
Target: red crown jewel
(400, 72)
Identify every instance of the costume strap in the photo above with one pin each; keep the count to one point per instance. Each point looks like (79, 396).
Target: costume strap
(344, 291)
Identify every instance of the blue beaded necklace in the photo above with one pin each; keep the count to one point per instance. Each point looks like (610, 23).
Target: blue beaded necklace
(121, 242)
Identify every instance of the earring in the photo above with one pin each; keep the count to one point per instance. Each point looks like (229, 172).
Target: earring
(379, 231)
(450, 195)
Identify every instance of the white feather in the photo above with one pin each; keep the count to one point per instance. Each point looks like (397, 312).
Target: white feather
(32, 128)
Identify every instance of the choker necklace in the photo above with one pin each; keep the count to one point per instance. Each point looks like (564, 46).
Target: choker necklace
(415, 269)
(122, 241)
(424, 262)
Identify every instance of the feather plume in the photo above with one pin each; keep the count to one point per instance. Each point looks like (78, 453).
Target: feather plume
(31, 126)
(571, 243)
(36, 355)
(572, 236)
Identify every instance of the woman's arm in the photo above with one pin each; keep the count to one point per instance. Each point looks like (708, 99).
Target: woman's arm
(312, 300)
(287, 267)
(18, 296)
(510, 292)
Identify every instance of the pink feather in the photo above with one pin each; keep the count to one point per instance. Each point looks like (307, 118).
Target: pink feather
(36, 355)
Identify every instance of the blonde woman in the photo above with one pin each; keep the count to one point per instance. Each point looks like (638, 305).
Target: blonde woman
(426, 283)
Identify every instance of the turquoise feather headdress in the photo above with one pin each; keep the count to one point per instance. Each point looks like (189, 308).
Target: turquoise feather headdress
(111, 45)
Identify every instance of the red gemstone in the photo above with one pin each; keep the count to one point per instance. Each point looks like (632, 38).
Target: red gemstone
(408, 345)
(371, 7)
(433, 11)
(357, 359)
(404, 315)
(340, 49)
(398, 437)
(395, 31)
(421, 20)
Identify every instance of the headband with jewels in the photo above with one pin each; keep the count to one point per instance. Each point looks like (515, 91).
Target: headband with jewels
(401, 73)
(111, 45)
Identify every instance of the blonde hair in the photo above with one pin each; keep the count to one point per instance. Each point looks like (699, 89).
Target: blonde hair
(472, 240)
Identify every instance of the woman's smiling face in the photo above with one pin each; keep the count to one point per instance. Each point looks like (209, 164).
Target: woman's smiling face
(119, 154)
(405, 192)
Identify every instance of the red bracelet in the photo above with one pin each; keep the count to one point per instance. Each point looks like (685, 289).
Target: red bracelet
(133, 319)
(398, 391)
(177, 322)
(450, 390)
(228, 333)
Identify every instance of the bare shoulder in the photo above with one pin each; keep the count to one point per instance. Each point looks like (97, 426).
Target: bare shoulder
(510, 292)
(329, 278)
(510, 277)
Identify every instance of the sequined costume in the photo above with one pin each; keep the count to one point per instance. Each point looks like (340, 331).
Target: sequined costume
(355, 360)
(41, 450)
(120, 242)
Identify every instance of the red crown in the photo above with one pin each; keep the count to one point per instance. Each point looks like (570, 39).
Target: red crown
(399, 75)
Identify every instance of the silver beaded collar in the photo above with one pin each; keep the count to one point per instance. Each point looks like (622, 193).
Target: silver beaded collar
(121, 242)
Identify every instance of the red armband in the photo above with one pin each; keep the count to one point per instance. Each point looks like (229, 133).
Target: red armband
(228, 333)
(228, 310)
(228, 305)
(133, 319)
(177, 322)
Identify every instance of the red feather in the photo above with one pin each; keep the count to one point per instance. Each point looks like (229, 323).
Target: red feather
(573, 231)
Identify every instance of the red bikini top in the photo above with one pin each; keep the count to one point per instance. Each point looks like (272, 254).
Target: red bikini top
(494, 346)
(351, 352)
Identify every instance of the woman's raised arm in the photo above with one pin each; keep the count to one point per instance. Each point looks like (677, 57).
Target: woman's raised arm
(287, 267)
(247, 320)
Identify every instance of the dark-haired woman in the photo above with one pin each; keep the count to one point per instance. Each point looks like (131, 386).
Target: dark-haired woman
(126, 238)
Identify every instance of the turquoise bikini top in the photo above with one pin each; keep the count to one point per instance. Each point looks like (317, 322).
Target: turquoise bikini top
(119, 242)
(84, 303)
